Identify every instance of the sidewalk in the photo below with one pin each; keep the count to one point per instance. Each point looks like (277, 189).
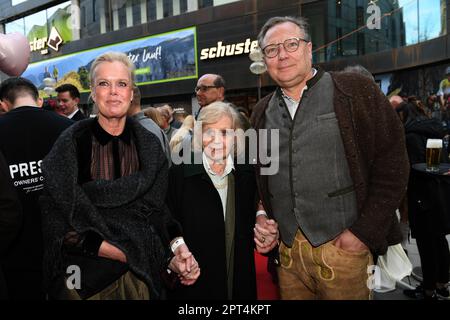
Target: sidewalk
(397, 294)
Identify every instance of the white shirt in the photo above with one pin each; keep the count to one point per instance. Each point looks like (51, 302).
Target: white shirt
(292, 104)
(220, 181)
(72, 114)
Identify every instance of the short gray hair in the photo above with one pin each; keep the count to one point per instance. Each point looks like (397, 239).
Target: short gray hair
(272, 22)
(211, 114)
(215, 111)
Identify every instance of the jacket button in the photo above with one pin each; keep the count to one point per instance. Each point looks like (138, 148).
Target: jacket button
(284, 115)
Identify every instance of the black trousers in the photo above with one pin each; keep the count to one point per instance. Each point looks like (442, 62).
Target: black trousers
(434, 258)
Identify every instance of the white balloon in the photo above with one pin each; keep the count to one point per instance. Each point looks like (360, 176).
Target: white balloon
(258, 67)
(256, 55)
(14, 53)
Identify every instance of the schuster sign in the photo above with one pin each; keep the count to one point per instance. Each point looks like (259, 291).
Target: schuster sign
(222, 50)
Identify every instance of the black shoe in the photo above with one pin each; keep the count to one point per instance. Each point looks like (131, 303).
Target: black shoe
(443, 294)
(419, 294)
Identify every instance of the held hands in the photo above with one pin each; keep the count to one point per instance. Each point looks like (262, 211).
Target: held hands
(266, 234)
(349, 242)
(185, 265)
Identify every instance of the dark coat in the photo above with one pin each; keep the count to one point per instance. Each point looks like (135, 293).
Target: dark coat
(27, 134)
(10, 216)
(196, 204)
(78, 116)
(374, 144)
(10, 209)
(128, 212)
(417, 133)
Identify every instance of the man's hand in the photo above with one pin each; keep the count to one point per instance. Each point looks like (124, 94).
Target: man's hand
(266, 234)
(109, 251)
(395, 101)
(349, 242)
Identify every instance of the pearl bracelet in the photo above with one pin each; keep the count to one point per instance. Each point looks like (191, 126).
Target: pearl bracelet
(176, 244)
(260, 213)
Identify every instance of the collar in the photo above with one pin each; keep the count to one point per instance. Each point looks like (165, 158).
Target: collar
(139, 115)
(104, 137)
(70, 116)
(285, 96)
(228, 168)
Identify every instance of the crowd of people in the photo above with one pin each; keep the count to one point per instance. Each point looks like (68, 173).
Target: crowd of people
(93, 207)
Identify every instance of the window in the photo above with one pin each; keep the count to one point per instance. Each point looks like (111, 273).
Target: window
(205, 3)
(39, 24)
(15, 26)
(16, 2)
(168, 8)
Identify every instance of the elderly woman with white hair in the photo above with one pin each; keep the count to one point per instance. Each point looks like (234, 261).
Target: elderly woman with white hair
(106, 226)
(215, 201)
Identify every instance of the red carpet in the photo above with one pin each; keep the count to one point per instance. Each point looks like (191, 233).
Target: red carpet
(266, 289)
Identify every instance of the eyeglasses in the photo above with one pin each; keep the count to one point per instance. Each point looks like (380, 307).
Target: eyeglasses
(290, 45)
(204, 88)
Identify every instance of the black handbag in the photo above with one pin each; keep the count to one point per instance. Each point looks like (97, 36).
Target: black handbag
(97, 273)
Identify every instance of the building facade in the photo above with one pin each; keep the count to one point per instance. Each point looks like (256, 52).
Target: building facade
(405, 43)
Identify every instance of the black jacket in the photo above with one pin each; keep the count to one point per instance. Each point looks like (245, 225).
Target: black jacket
(128, 212)
(10, 216)
(417, 133)
(10, 209)
(26, 136)
(78, 116)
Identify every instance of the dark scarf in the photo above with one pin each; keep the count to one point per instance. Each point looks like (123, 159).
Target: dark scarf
(128, 212)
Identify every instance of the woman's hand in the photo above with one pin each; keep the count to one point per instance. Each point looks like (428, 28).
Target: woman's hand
(266, 234)
(185, 265)
(109, 251)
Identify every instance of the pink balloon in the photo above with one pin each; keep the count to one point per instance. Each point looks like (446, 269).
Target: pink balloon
(14, 53)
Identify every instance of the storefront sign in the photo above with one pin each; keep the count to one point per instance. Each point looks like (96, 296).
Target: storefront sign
(222, 50)
(42, 44)
(159, 58)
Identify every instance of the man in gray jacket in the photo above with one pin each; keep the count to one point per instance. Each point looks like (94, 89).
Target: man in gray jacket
(343, 169)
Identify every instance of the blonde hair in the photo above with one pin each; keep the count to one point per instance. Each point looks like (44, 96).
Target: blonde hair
(185, 129)
(112, 56)
(155, 115)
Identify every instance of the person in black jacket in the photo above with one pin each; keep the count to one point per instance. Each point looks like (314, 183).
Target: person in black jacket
(27, 134)
(10, 216)
(418, 129)
(433, 247)
(213, 198)
(103, 204)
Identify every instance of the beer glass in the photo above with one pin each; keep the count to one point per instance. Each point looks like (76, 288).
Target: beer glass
(434, 147)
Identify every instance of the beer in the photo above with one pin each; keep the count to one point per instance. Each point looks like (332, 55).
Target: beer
(433, 156)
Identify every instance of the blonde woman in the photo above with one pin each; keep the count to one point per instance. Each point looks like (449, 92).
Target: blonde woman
(155, 115)
(102, 207)
(182, 133)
